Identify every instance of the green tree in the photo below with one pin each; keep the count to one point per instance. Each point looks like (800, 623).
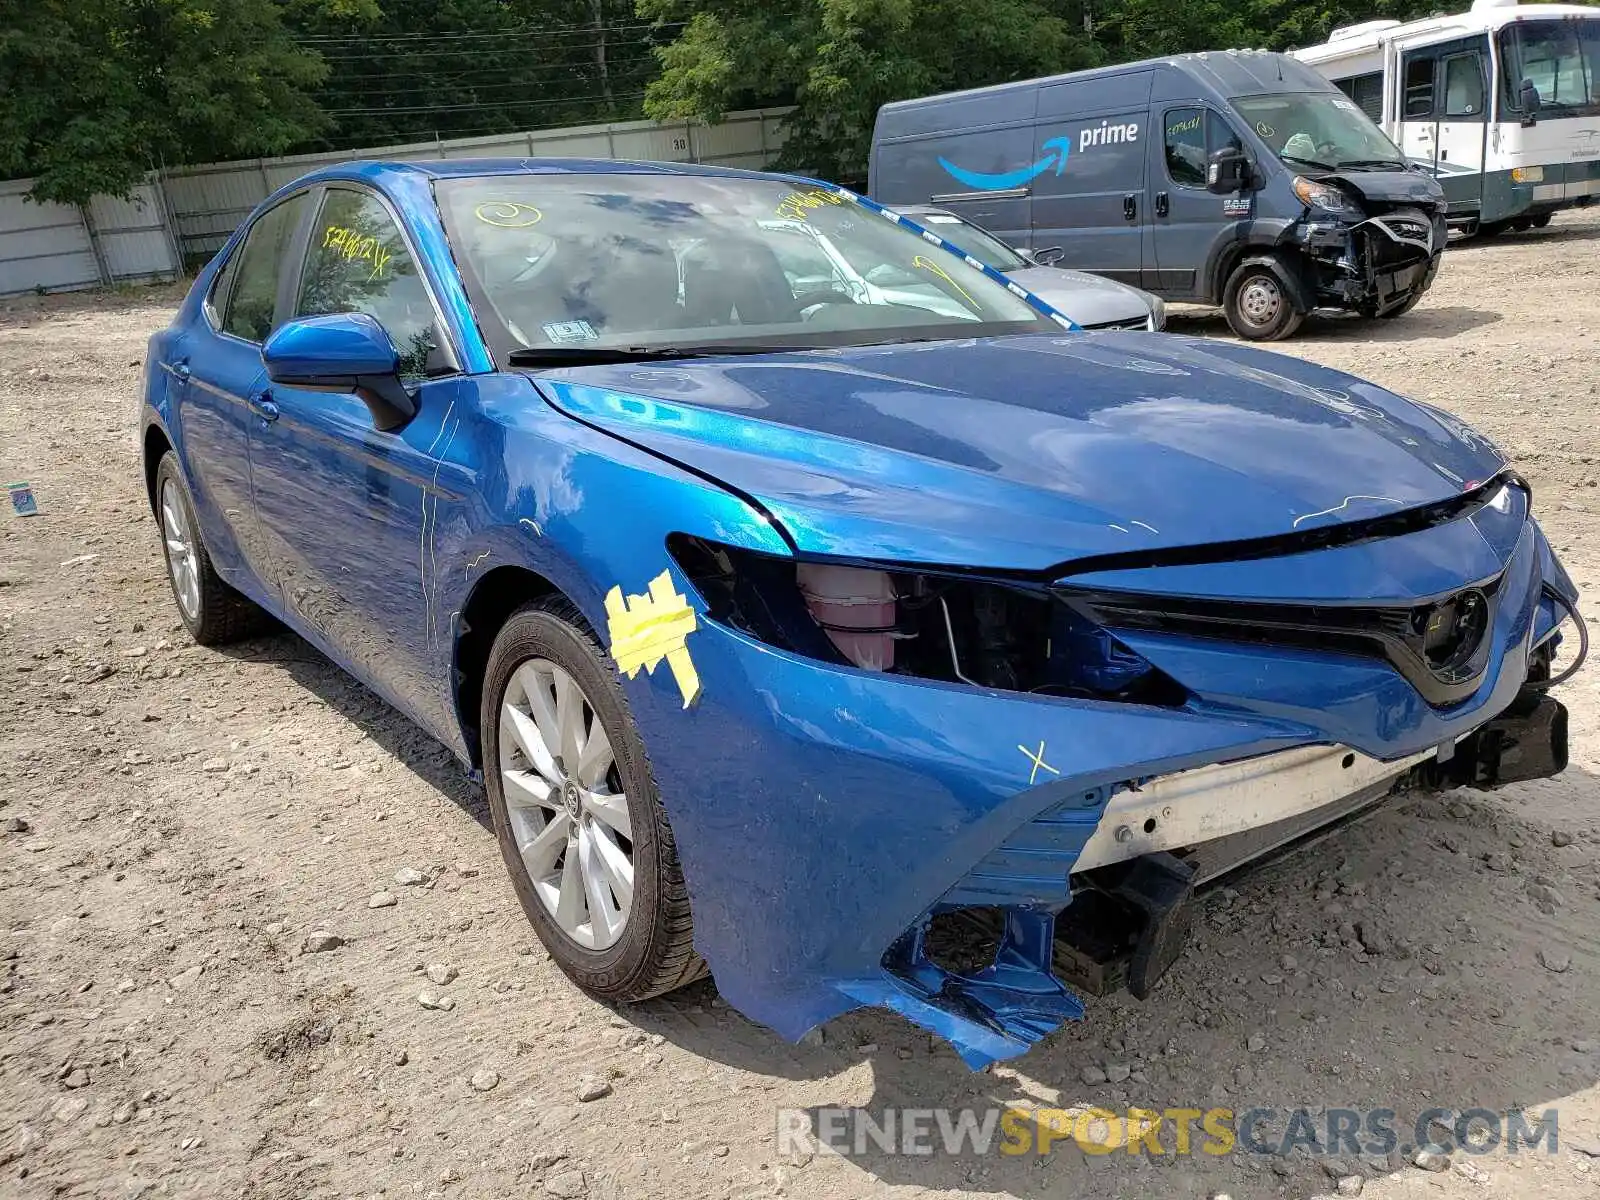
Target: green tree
(837, 61)
(94, 93)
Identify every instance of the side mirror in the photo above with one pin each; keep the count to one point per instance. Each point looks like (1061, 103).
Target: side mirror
(342, 352)
(1049, 256)
(1228, 171)
(1528, 99)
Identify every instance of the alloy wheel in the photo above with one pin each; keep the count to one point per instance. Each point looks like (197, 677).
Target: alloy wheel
(565, 804)
(183, 560)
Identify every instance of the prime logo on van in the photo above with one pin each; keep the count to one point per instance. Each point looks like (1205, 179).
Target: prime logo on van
(1055, 153)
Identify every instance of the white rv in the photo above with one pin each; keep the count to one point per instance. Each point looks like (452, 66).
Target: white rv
(1502, 103)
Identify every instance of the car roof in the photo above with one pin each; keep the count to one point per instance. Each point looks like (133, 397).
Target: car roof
(379, 172)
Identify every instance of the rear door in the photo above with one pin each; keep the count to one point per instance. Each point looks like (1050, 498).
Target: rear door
(1091, 201)
(221, 377)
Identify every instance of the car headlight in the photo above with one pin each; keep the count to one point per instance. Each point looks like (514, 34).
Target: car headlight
(1011, 635)
(1325, 196)
(1158, 314)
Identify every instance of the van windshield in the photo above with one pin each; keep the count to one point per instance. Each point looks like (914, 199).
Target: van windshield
(1320, 130)
(622, 262)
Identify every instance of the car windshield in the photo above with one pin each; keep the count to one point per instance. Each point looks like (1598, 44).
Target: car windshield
(1319, 130)
(635, 262)
(983, 246)
(1560, 58)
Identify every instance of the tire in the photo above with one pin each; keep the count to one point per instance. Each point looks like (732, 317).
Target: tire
(213, 613)
(1258, 306)
(1489, 229)
(652, 950)
(1542, 220)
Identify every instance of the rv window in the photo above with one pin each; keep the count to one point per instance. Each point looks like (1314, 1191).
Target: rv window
(1463, 87)
(1419, 88)
(1560, 57)
(1366, 91)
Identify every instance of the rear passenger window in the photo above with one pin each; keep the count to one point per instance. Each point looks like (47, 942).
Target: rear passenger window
(253, 299)
(358, 262)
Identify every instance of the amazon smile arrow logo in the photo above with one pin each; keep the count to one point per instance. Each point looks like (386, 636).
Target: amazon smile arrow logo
(1057, 150)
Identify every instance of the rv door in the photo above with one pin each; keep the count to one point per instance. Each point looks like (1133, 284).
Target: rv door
(1444, 107)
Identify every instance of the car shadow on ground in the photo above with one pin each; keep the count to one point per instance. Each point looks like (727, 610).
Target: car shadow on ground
(389, 729)
(1421, 323)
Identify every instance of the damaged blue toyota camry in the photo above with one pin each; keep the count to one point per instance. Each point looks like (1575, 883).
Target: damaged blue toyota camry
(821, 610)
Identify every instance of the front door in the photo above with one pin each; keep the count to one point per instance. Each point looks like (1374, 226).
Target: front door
(353, 514)
(1186, 219)
(1444, 104)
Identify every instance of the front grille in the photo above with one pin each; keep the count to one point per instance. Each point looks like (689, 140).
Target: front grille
(1441, 648)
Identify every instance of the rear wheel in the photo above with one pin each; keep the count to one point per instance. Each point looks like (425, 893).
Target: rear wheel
(1258, 307)
(1542, 220)
(212, 612)
(580, 825)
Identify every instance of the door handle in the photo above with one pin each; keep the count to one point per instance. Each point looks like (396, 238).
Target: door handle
(180, 368)
(264, 406)
(1130, 207)
(1162, 204)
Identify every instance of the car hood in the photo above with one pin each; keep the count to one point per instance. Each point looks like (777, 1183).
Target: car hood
(1027, 452)
(1388, 188)
(1087, 299)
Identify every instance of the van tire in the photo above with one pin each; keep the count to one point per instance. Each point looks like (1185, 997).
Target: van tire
(1258, 306)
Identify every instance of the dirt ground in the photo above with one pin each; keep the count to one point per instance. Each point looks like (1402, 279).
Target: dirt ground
(177, 821)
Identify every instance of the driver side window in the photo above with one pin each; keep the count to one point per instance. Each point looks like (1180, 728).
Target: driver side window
(358, 262)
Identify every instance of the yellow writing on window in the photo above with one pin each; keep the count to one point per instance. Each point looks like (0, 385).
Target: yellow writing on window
(508, 214)
(933, 268)
(796, 204)
(1189, 126)
(353, 245)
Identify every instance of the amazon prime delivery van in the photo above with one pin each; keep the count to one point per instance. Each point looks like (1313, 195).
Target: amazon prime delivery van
(1239, 178)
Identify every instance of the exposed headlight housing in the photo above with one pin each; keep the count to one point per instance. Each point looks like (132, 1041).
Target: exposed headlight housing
(1010, 635)
(1325, 197)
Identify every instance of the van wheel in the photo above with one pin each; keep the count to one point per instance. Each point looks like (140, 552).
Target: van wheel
(1258, 306)
(1542, 220)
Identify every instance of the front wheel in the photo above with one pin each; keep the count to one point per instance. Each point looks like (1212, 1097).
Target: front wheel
(1258, 306)
(580, 825)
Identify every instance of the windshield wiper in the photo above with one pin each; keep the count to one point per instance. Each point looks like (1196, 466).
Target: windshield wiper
(576, 356)
(1308, 162)
(1372, 163)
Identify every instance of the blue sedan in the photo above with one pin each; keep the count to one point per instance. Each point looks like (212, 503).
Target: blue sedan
(804, 622)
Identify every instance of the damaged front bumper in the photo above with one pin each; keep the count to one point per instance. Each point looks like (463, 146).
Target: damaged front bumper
(834, 817)
(1373, 265)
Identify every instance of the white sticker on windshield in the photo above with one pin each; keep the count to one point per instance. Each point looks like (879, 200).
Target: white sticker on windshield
(570, 331)
(1347, 105)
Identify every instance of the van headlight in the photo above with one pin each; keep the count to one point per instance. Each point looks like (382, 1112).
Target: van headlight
(1325, 196)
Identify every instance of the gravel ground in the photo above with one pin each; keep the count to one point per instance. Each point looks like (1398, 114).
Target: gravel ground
(184, 830)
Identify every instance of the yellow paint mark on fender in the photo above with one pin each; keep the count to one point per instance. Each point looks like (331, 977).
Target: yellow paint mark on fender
(927, 264)
(645, 629)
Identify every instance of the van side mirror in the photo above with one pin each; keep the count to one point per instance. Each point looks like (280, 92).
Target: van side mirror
(1228, 171)
(1528, 100)
(342, 352)
(1049, 256)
